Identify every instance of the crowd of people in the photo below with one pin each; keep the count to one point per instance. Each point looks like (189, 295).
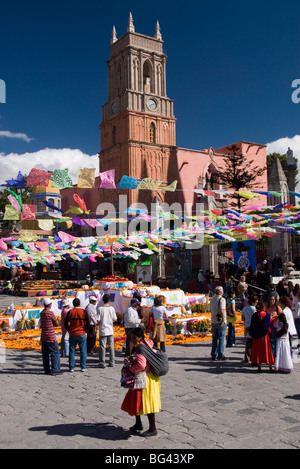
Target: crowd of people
(271, 320)
(78, 328)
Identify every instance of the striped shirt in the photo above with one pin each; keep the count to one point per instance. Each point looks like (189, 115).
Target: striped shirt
(48, 321)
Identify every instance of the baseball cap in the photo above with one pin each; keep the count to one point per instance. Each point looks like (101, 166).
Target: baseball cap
(65, 303)
(93, 298)
(135, 301)
(47, 301)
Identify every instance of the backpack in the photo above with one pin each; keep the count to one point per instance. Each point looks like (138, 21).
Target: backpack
(157, 360)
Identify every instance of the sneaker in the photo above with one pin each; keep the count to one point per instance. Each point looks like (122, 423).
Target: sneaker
(71, 370)
(101, 366)
(83, 369)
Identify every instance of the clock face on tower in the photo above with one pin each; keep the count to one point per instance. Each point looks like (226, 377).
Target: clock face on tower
(152, 104)
(113, 107)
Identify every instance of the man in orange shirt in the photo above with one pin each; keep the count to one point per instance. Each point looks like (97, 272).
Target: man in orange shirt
(77, 323)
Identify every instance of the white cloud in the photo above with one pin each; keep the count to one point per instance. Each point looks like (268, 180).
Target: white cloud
(47, 159)
(19, 135)
(281, 145)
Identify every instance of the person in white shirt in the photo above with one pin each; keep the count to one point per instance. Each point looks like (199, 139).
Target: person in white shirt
(159, 314)
(219, 324)
(131, 321)
(91, 333)
(107, 316)
(285, 305)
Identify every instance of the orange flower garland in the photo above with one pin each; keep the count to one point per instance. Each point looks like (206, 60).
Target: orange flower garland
(30, 339)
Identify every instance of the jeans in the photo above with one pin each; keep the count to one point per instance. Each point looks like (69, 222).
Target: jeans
(91, 339)
(64, 345)
(218, 340)
(231, 335)
(81, 341)
(111, 348)
(162, 346)
(51, 349)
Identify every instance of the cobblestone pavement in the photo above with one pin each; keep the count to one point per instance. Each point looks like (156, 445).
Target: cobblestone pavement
(205, 404)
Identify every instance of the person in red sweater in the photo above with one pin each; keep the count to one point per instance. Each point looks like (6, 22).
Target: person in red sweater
(77, 324)
(50, 347)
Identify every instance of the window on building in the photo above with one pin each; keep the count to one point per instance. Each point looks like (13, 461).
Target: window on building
(114, 135)
(51, 201)
(40, 205)
(152, 133)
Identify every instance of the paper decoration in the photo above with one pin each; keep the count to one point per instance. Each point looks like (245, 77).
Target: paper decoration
(3, 245)
(42, 246)
(18, 199)
(27, 236)
(86, 178)
(107, 179)
(80, 202)
(149, 183)
(65, 237)
(48, 204)
(92, 223)
(14, 203)
(46, 225)
(76, 210)
(61, 179)
(11, 213)
(29, 212)
(128, 182)
(19, 182)
(37, 177)
(78, 221)
(170, 187)
(246, 194)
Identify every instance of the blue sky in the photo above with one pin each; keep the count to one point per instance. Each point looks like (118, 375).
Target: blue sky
(230, 68)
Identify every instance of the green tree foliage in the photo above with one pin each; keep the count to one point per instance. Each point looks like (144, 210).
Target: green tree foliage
(239, 173)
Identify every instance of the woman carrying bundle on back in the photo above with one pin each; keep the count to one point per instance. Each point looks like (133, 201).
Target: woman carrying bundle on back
(144, 397)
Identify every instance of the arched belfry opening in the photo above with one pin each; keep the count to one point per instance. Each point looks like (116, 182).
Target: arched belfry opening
(147, 77)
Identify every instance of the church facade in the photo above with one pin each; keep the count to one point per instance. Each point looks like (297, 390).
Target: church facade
(138, 128)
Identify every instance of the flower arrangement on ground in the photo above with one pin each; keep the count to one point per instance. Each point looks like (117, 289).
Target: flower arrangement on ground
(179, 327)
(191, 326)
(169, 327)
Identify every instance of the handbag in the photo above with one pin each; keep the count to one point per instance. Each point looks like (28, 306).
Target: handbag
(157, 359)
(127, 378)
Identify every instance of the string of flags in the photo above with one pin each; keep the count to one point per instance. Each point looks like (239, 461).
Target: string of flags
(208, 227)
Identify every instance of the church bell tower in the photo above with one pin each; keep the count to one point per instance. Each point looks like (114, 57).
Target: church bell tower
(138, 136)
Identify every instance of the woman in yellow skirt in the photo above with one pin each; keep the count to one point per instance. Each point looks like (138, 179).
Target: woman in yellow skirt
(144, 397)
